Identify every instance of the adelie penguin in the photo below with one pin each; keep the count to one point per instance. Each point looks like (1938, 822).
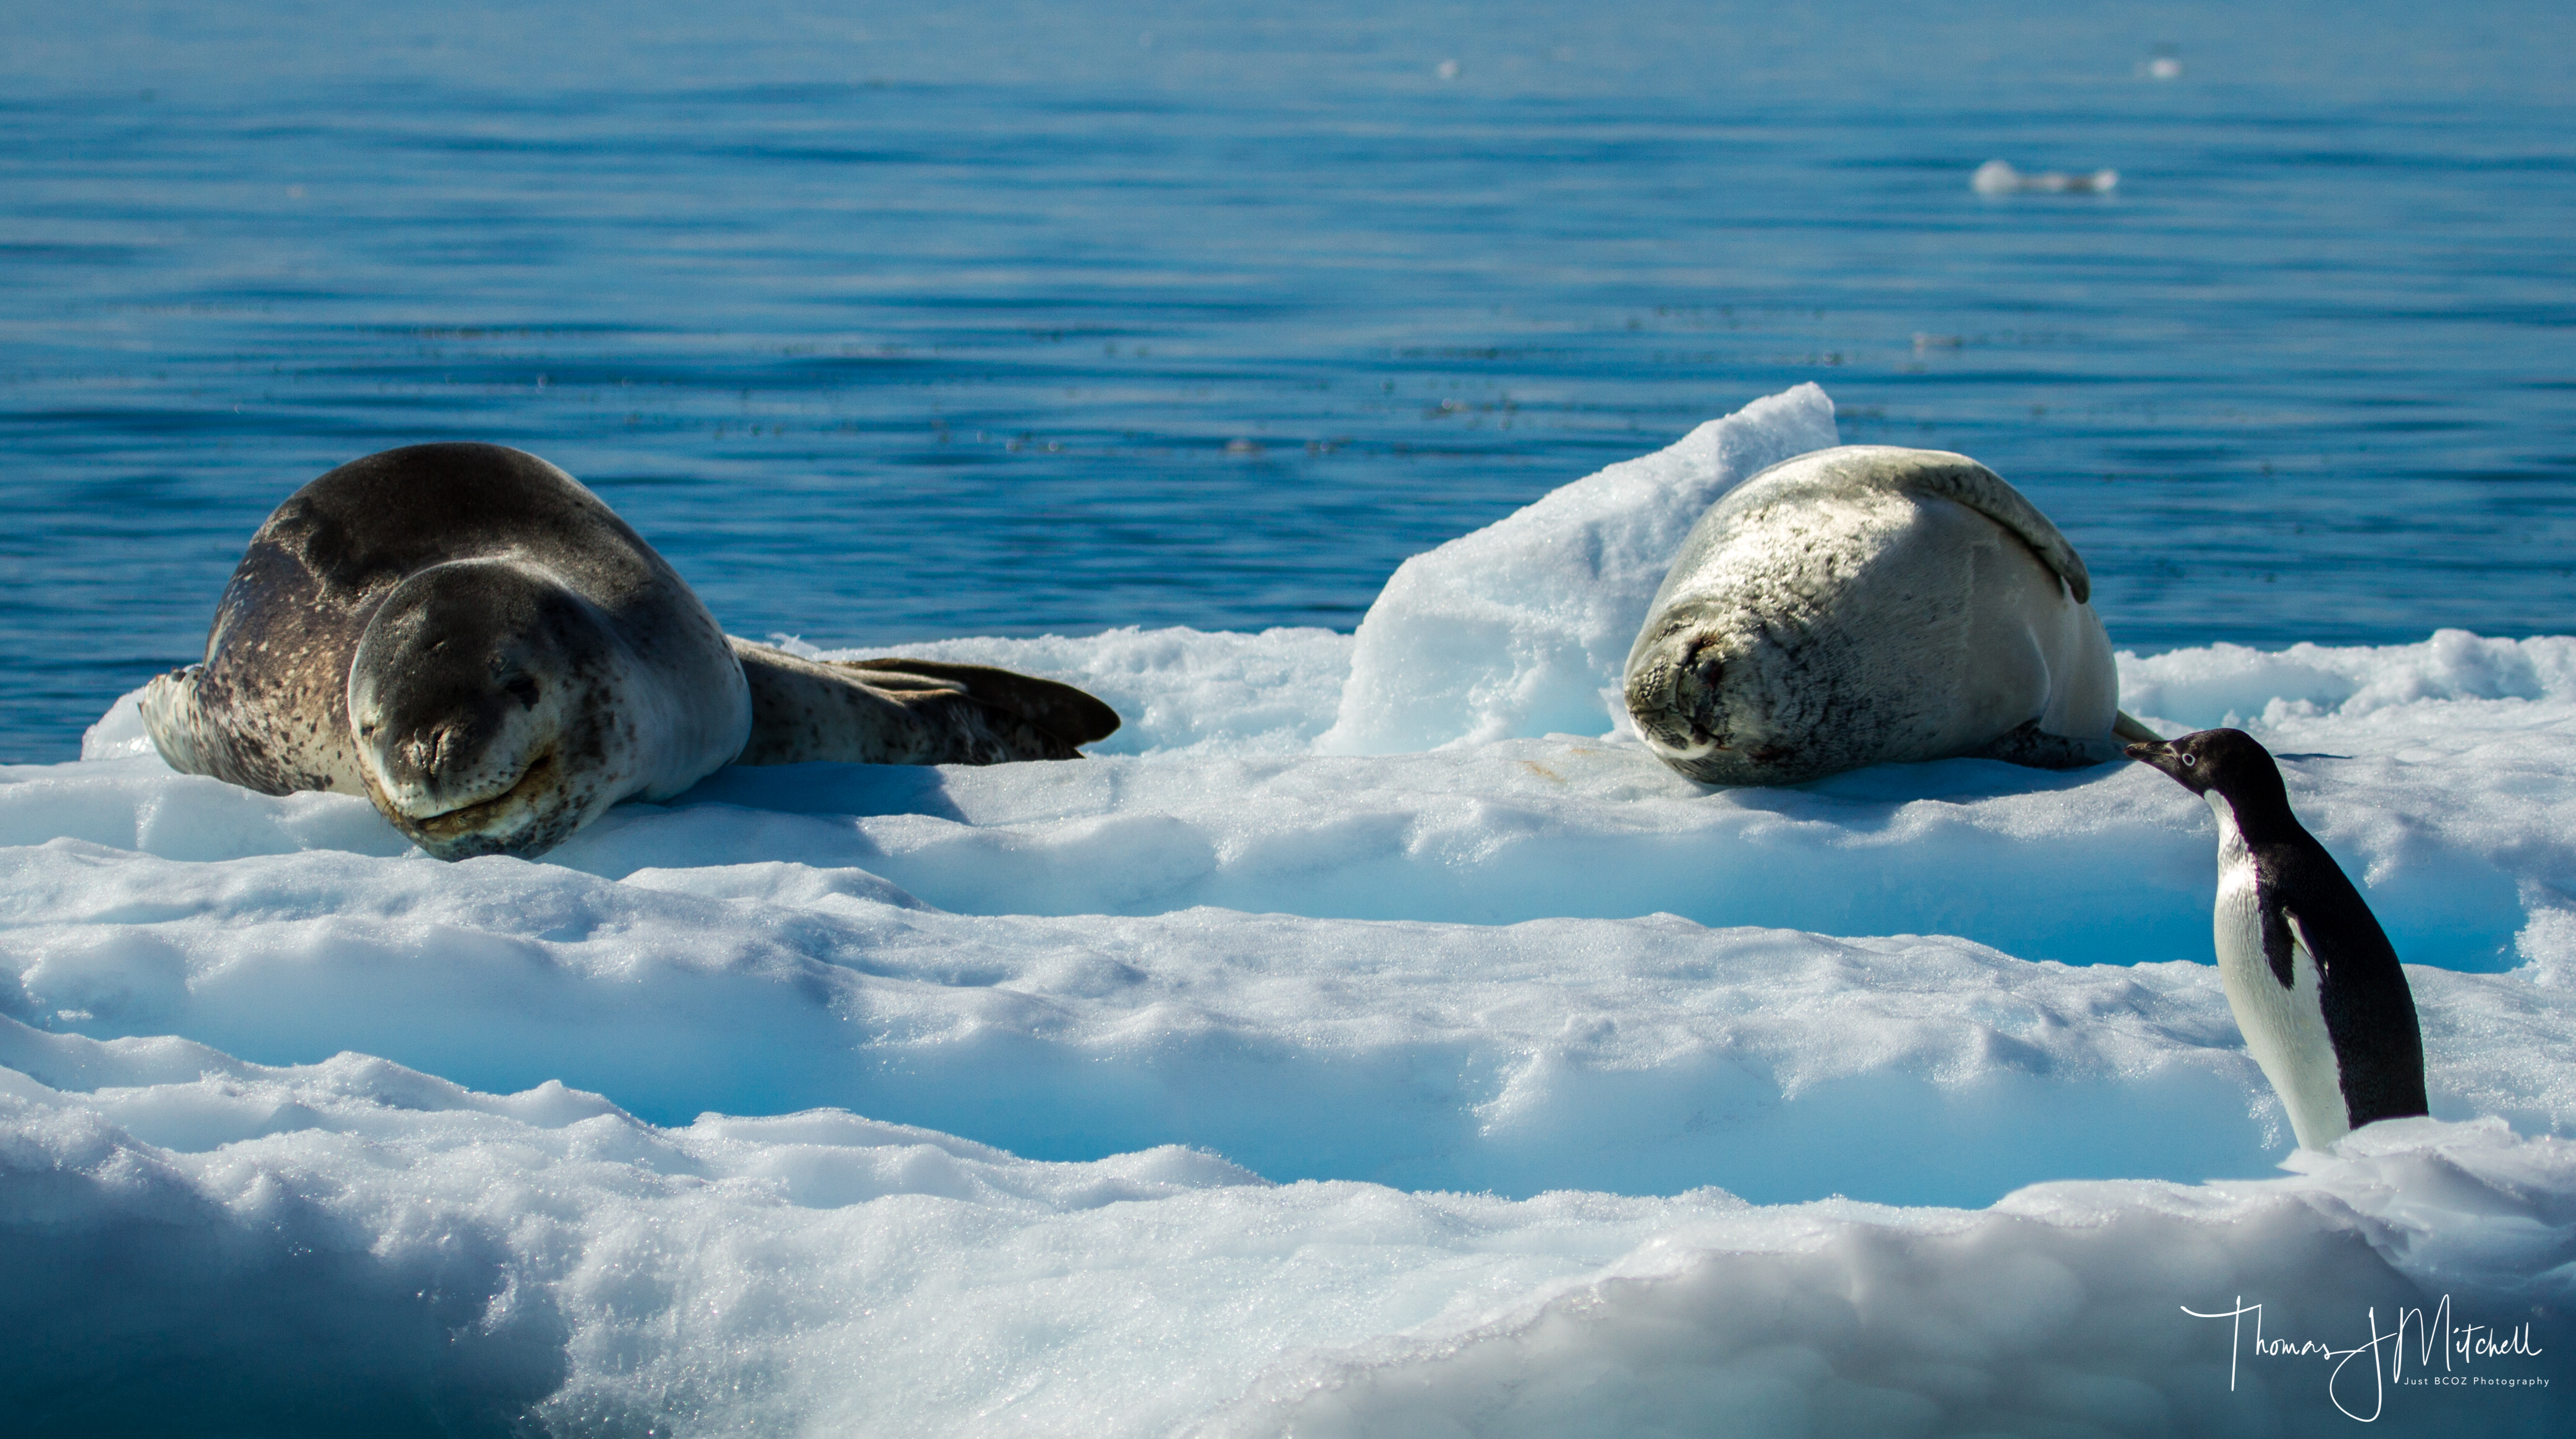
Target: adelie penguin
(2313, 980)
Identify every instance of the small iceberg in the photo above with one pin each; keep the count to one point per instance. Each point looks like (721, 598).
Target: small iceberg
(1997, 177)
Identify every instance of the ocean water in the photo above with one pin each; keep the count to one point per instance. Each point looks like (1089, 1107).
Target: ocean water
(1017, 319)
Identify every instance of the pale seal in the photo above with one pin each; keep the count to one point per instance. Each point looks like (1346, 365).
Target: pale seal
(474, 641)
(1865, 604)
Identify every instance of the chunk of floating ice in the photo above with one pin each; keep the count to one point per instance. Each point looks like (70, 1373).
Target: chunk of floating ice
(1995, 177)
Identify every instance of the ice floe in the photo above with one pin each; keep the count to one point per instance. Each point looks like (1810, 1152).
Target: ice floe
(1371, 1039)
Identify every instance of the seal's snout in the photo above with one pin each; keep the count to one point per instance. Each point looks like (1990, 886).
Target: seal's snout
(450, 764)
(460, 750)
(423, 753)
(1697, 683)
(1672, 692)
(463, 787)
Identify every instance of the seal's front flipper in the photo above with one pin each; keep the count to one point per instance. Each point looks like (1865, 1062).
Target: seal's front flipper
(909, 712)
(170, 716)
(193, 741)
(1059, 709)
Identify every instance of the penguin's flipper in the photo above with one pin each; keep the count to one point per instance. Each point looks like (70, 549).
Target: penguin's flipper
(2368, 1010)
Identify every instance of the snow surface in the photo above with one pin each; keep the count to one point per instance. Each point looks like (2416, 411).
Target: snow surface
(1232, 1083)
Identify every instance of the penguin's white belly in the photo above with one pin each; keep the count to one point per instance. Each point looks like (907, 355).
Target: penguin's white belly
(2284, 1029)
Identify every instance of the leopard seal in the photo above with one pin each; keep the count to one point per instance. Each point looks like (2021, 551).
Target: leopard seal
(473, 640)
(1869, 603)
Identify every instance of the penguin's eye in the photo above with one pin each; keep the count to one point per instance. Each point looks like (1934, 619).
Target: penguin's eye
(2189, 759)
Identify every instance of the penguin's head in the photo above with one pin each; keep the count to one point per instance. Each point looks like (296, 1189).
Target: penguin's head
(2226, 761)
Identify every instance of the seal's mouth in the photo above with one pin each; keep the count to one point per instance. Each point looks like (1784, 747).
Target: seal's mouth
(1673, 696)
(457, 823)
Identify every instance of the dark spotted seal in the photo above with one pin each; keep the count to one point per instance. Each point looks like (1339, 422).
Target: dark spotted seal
(474, 641)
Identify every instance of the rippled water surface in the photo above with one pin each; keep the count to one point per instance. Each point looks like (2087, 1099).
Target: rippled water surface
(1018, 319)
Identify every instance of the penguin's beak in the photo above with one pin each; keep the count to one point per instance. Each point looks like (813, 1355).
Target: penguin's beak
(2159, 755)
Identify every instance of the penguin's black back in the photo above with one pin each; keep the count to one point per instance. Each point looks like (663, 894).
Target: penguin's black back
(2369, 1012)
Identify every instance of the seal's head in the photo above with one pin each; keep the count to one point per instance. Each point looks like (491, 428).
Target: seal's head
(485, 701)
(1727, 698)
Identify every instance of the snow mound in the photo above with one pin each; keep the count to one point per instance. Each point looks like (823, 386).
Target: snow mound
(352, 1246)
(1643, 1056)
(1518, 628)
(2234, 685)
(2067, 1309)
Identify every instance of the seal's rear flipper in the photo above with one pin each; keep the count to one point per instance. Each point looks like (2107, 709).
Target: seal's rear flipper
(1061, 710)
(909, 712)
(2128, 729)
